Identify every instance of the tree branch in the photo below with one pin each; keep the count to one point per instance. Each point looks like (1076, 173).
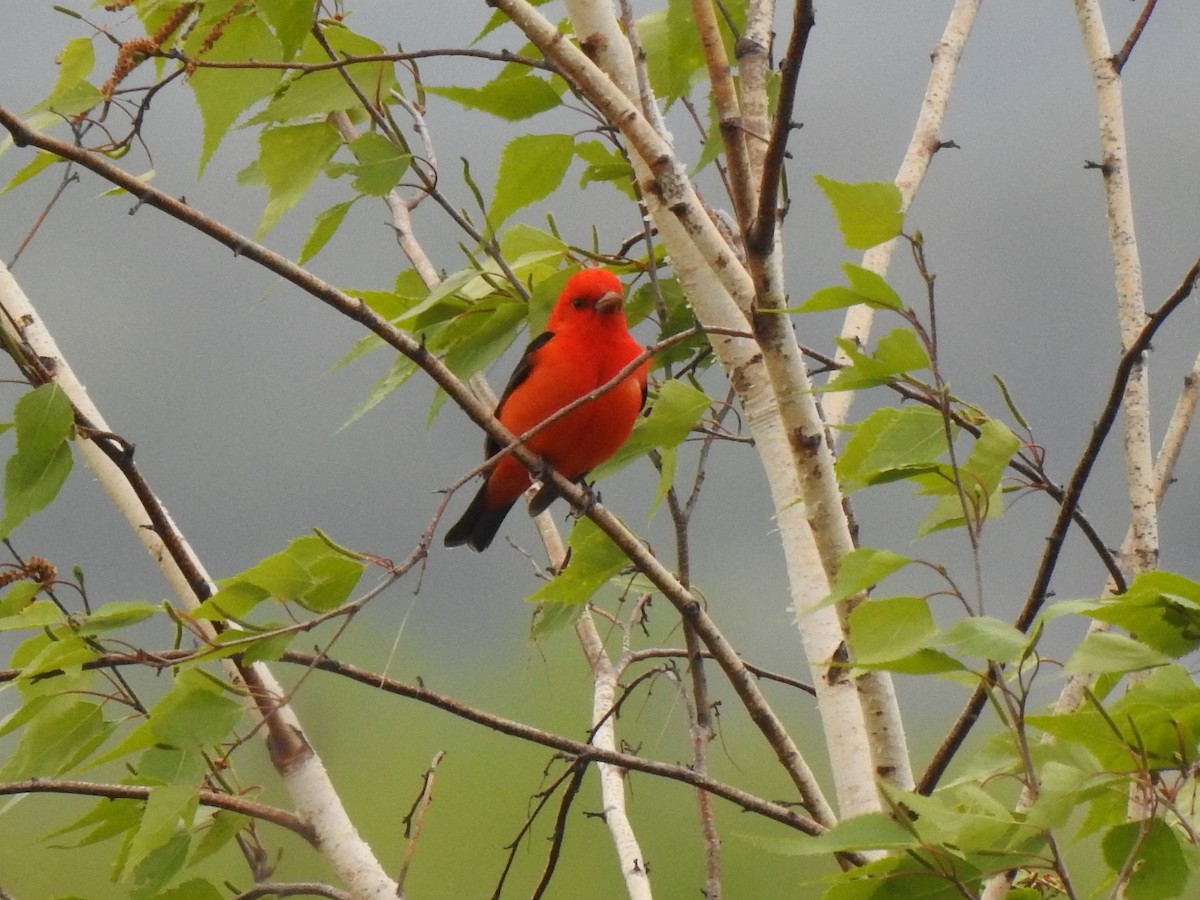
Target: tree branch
(214, 799)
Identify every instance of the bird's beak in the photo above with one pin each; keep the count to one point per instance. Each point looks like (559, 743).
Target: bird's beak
(609, 302)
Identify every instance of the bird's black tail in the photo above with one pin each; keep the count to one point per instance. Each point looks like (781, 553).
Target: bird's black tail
(478, 525)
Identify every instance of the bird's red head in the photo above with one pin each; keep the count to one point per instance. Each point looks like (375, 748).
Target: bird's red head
(588, 295)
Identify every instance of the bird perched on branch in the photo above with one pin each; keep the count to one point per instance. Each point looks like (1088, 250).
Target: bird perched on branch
(585, 345)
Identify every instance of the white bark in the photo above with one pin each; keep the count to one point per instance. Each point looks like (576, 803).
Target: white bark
(926, 137)
(306, 780)
(612, 778)
(1131, 310)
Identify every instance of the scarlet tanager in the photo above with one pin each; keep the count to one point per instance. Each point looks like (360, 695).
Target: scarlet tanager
(585, 344)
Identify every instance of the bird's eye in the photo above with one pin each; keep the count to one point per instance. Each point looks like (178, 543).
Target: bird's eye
(579, 303)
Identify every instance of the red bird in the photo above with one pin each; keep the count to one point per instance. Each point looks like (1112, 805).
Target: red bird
(585, 344)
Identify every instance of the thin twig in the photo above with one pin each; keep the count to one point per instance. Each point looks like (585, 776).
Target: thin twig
(416, 819)
(215, 799)
(1058, 532)
(762, 230)
(1139, 26)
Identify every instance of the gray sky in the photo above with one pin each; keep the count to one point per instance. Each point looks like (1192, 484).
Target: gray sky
(220, 375)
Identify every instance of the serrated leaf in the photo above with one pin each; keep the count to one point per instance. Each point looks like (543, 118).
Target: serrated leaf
(319, 93)
(552, 618)
(72, 94)
(308, 572)
(290, 158)
(985, 638)
(17, 598)
(890, 628)
(222, 95)
(1107, 652)
(168, 810)
(866, 287)
(673, 415)
(379, 164)
(532, 166)
(193, 715)
(154, 872)
(868, 212)
(674, 56)
(105, 820)
(1159, 870)
(34, 615)
(594, 560)
(56, 740)
(511, 99)
(1161, 608)
(223, 826)
(891, 441)
(325, 226)
(117, 614)
(896, 353)
(291, 21)
(862, 568)
(31, 481)
(41, 160)
(605, 164)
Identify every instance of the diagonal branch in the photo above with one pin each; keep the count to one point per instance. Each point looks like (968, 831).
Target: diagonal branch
(215, 799)
(762, 232)
(1058, 532)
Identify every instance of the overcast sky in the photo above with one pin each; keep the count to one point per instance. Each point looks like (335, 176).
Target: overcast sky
(220, 375)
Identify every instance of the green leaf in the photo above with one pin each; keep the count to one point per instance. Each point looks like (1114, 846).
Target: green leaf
(290, 157)
(674, 57)
(868, 212)
(224, 94)
(890, 628)
(985, 638)
(106, 819)
(308, 572)
(117, 614)
(291, 20)
(862, 568)
(511, 98)
(17, 598)
(866, 287)
(889, 443)
(1161, 608)
(72, 93)
(162, 864)
(34, 615)
(594, 560)
(551, 618)
(309, 94)
(1159, 870)
(873, 831)
(64, 654)
(223, 827)
(605, 164)
(196, 713)
(168, 808)
(1107, 652)
(531, 167)
(673, 415)
(380, 164)
(41, 160)
(33, 476)
(897, 352)
(57, 739)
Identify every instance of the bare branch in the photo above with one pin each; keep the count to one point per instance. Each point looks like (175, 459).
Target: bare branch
(215, 799)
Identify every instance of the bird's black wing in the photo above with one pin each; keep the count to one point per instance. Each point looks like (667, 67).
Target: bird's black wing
(520, 373)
